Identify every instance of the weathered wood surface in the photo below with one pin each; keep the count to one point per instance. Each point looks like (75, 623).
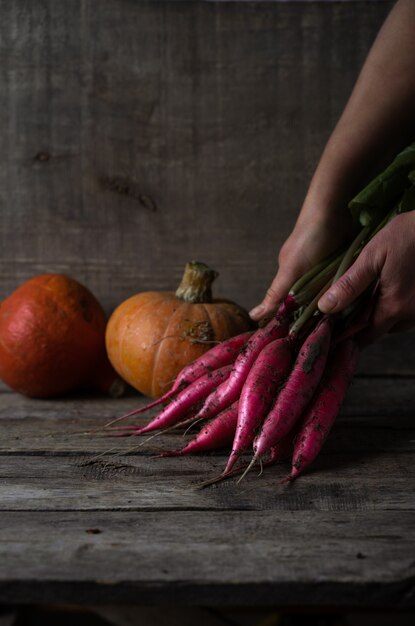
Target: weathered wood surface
(135, 136)
(254, 558)
(367, 396)
(138, 135)
(341, 481)
(77, 527)
(213, 114)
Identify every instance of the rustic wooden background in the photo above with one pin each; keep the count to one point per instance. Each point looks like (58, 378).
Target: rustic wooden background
(138, 135)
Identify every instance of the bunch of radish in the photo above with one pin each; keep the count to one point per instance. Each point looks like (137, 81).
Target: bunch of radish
(261, 397)
(279, 389)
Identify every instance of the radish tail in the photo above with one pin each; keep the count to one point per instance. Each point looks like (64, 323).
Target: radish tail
(250, 466)
(223, 476)
(164, 398)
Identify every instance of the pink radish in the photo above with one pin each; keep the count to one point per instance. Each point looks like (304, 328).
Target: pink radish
(229, 391)
(267, 373)
(298, 389)
(280, 452)
(183, 402)
(216, 434)
(325, 407)
(223, 354)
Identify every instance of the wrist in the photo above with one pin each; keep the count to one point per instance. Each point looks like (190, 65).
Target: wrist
(324, 210)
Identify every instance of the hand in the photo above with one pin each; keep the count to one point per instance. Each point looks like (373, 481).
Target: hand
(389, 257)
(375, 124)
(312, 239)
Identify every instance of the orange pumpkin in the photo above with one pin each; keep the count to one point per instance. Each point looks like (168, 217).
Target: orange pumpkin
(151, 336)
(52, 333)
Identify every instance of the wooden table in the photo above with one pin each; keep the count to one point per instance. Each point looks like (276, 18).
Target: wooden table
(81, 528)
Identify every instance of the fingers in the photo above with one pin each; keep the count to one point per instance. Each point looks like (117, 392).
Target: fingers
(292, 264)
(309, 242)
(353, 283)
(275, 294)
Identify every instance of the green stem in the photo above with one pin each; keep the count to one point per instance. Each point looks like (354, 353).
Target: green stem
(308, 312)
(351, 251)
(346, 261)
(308, 276)
(385, 220)
(315, 284)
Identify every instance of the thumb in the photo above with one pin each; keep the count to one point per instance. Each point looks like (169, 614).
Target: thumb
(349, 286)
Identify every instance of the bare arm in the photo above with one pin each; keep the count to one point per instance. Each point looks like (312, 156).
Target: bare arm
(378, 120)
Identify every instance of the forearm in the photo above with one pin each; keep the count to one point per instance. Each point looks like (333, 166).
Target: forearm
(377, 121)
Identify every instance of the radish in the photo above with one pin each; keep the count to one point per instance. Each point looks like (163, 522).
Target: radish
(325, 407)
(223, 354)
(216, 434)
(267, 373)
(280, 452)
(229, 391)
(298, 389)
(183, 402)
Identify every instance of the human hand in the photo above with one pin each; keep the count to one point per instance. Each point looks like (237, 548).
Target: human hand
(389, 257)
(312, 239)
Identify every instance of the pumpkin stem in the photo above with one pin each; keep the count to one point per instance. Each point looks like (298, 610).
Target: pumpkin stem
(196, 285)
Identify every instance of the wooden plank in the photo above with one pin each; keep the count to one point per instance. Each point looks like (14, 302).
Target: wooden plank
(345, 528)
(115, 110)
(48, 462)
(367, 397)
(37, 437)
(392, 355)
(340, 481)
(210, 113)
(294, 558)
(66, 429)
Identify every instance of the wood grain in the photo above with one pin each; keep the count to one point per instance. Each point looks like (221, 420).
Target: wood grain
(137, 483)
(368, 396)
(139, 135)
(290, 558)
(127, 528)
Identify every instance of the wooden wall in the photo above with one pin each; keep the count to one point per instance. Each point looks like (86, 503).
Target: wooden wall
(137, 135)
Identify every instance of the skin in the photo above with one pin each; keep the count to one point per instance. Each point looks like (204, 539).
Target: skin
(377, 122)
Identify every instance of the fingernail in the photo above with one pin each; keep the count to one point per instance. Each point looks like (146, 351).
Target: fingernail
(328, 302)
(256, 311)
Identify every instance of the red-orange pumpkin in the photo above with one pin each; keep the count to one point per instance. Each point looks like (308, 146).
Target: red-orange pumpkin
(151, 336)
(52, 332)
